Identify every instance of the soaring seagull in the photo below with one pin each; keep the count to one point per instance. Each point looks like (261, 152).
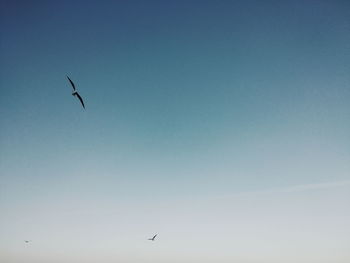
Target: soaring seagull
(152, 239)
(75, 93)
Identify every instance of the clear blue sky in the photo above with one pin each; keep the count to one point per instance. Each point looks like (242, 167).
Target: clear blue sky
(223, 126)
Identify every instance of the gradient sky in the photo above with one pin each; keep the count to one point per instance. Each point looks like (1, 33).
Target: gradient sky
(223, 126)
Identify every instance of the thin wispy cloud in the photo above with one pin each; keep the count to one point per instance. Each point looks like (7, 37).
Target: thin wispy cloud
(290, 189)
(317, 186)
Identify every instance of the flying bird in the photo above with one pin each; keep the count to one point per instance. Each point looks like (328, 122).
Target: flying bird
(75, 93)
(27, 241)
(152, 239)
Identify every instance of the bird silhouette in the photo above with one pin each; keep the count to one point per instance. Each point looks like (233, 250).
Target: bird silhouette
(152, 239)
(27, 241)
(75, 93)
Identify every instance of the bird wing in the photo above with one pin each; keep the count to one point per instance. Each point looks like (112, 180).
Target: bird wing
(71, 82)
(81, 100)
(154, 237)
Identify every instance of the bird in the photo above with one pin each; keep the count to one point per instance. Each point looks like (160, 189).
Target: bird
(75, 93)
(27, 241)
(152, 239)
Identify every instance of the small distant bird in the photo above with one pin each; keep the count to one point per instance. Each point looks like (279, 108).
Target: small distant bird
(75, 93)
(27, 241)
(152, 239)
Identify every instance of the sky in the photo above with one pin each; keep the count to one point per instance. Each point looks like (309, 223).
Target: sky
(222, 126)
